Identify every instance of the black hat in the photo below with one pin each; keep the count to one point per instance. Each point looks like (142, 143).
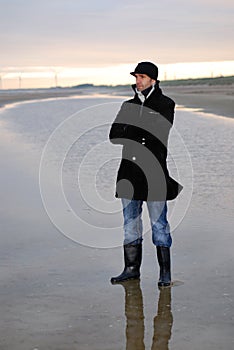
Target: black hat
(147, 68)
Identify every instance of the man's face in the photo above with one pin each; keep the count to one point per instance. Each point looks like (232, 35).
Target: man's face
(143, 81)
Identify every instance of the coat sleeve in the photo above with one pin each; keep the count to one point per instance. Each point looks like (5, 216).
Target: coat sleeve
(119, 130)
(169, 110)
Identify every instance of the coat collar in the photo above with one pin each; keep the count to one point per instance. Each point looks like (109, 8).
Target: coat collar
(154, 91)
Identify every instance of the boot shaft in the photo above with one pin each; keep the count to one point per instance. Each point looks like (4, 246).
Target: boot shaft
(132, 255)
(164, 259)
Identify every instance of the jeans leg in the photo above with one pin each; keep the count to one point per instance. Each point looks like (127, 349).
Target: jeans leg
(132, 210)
(160, 227)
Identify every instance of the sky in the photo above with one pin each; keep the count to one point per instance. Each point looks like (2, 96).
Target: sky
(76, 41)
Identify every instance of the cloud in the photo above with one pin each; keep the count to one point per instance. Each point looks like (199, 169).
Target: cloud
(81, 33)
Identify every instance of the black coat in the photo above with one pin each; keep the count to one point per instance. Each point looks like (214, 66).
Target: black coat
(143, 130)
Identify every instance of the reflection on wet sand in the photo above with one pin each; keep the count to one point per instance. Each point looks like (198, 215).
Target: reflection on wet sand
(163, 321)
(134, 312)
(134, 315)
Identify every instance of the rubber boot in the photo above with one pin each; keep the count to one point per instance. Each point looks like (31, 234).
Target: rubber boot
(132, 260)
(163, 254)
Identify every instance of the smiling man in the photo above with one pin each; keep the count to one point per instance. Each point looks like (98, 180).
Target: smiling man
(142, 126)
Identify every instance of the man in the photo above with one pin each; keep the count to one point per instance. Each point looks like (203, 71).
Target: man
(142, 126)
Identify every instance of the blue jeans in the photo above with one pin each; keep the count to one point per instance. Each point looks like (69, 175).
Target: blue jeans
(133, 228)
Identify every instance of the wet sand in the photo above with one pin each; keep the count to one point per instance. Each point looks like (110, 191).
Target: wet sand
(55, 294)
(217, 99)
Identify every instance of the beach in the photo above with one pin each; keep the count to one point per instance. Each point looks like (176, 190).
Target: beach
(14, 96)
(216, 99)
(56, 259)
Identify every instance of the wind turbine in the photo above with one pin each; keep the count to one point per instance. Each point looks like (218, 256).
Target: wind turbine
(20, 80)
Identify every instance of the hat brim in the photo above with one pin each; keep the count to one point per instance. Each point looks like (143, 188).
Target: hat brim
(134, 74)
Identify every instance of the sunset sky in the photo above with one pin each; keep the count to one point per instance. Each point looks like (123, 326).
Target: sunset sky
(74, 41)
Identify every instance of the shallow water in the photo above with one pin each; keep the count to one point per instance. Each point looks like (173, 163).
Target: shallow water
(55, 293)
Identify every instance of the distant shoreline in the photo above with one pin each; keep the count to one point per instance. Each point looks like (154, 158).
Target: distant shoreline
(14, 96)
(210, 98)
